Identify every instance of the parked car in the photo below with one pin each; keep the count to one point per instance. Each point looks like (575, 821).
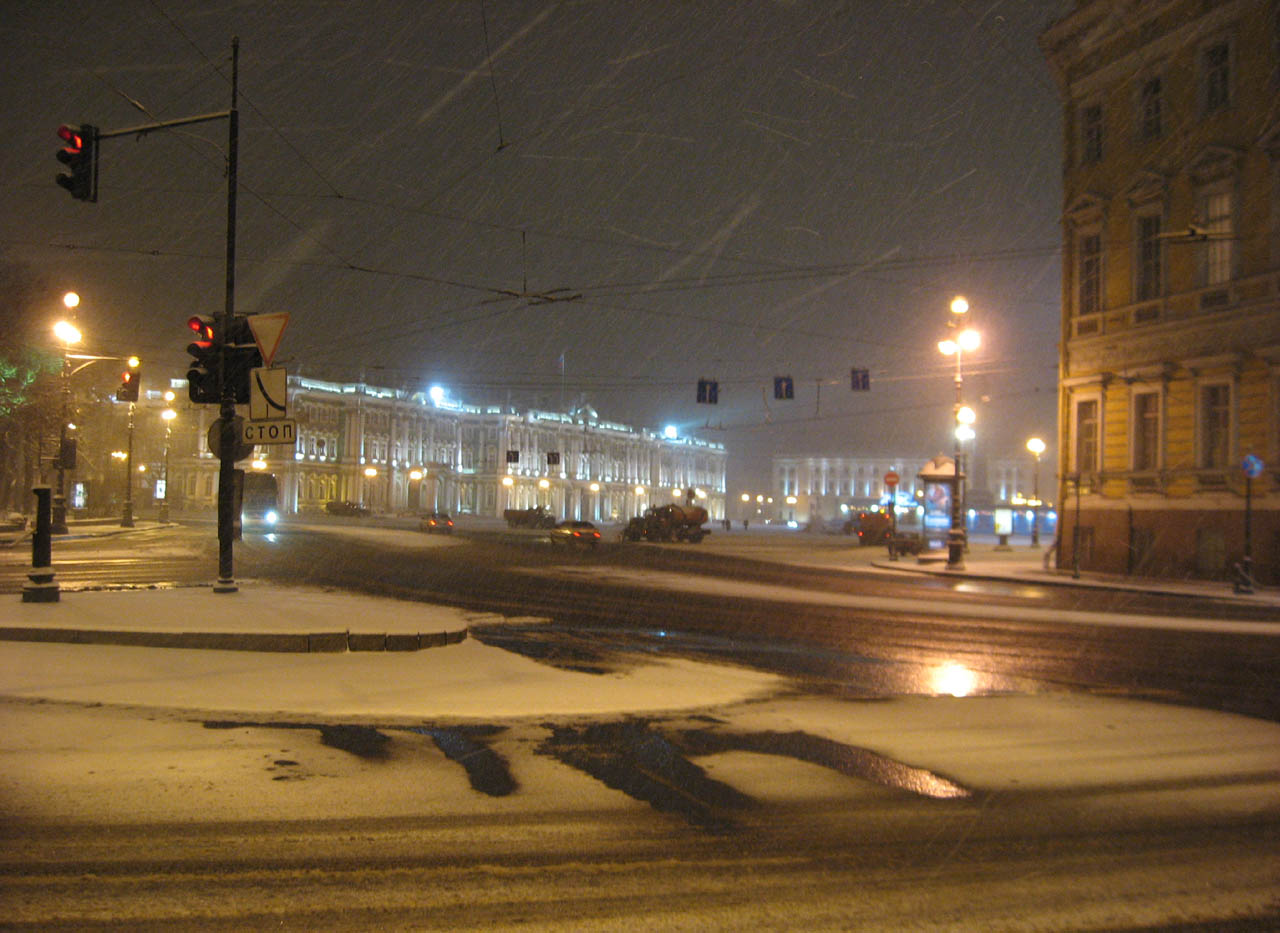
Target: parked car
(335, 507)
(436, 523)
(575, 534)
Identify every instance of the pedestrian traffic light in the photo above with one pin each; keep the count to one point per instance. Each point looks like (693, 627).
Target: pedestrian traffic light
(130, 380)
(79, 153)
(202, 375)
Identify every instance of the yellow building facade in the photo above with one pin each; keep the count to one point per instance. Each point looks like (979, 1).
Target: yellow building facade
(1170, 343)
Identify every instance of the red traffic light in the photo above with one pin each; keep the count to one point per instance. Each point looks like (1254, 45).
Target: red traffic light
(203, 329)
(71, 136)
(130, 383)
(79, 154)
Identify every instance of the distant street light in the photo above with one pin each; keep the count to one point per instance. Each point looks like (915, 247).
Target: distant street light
(1037, 447)
(956, 344)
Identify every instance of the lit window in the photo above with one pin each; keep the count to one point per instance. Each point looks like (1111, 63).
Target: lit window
(1215, 262)
(1215, 426)
(1087, 435)
(1146, 431)
(1151, 109)
(1215, 65)
(1150, 258)
(1090, 275)
(1091, 134)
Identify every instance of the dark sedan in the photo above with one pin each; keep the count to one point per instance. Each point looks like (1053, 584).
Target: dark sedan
(436, 523)
(575, 534)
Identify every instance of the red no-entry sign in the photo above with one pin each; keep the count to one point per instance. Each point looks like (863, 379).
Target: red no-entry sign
(891, 478)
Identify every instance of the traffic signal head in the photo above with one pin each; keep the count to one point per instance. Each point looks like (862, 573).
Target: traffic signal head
(242, 356)
(130, 381)
(202, 375)
(79, 153)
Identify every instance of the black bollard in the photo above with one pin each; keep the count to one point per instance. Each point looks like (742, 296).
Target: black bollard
(42, 588)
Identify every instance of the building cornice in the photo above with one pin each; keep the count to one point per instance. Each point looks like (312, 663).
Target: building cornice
(1200, 365)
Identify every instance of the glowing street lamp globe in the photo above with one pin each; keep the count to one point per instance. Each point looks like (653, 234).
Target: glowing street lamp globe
(67, 332)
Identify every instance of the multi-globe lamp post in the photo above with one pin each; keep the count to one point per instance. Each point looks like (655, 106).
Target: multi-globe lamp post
(1037, 447)
(960, 339)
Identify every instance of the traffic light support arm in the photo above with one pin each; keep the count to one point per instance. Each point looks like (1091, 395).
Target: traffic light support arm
(146, 128)
(90, 361)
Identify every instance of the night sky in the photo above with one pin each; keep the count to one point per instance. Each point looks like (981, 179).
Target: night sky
(652, 192)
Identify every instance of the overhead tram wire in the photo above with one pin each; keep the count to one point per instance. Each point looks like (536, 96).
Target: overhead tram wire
(783, 274)
(699, 283)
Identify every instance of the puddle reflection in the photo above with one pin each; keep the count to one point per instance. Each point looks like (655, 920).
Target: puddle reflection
(954, 679)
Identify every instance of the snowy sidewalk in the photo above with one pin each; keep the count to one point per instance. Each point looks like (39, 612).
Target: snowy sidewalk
(258, 617)
(1026, 565)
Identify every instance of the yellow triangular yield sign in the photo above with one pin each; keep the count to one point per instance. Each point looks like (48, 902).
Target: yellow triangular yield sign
(267, 329)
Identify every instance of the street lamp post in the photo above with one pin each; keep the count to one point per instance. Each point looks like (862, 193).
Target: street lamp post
(965, 432)
(954, 345)
(69, 334)
(126, 519)
(1037, 447)
(168, 415)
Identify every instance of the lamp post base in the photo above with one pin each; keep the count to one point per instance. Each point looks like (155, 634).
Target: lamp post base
(955, 550)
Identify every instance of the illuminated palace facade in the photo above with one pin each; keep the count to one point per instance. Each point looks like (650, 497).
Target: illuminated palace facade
(1170, 342)
(394, 451)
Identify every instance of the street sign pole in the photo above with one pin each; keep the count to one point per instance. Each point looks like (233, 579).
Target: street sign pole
(227, 441)
(1252, 467)
(891, 480)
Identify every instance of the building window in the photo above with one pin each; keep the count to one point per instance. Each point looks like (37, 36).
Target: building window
(1087, 435)
(1091, 134)
(1146, 431)
(1151, 109)
(1089, 300)
(1215, 76)
(1150, 270)
(1215, 260)
(1214, 413)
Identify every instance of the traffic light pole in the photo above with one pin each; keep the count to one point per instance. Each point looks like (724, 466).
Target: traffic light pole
(126, 518)
(227, 405)
(227, 440)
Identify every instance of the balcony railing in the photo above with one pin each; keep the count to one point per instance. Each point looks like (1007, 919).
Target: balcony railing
(1238, 294)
